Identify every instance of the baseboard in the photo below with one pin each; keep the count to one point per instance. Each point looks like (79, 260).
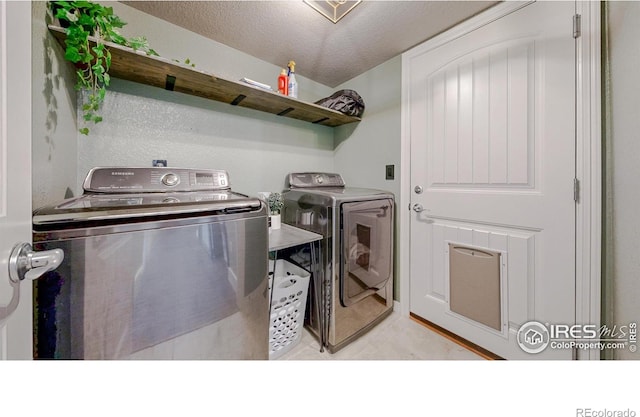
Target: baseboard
(455, 338)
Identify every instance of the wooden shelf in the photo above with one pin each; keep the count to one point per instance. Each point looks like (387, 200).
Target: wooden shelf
(137, 66)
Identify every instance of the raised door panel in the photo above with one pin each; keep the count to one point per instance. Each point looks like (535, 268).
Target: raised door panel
(480, 116)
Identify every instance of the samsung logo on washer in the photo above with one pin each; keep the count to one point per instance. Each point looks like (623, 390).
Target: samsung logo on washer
(122, 173)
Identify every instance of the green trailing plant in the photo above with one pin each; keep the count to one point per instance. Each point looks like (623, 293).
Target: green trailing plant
(186, 62)
(276, 202)
(83, 20)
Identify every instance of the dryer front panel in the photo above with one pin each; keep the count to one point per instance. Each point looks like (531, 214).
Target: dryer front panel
(367, 248)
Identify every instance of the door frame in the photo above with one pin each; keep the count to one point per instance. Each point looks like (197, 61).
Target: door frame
(15, 176)
(588, 159)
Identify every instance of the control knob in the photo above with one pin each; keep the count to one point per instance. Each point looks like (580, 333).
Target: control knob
(170, 179)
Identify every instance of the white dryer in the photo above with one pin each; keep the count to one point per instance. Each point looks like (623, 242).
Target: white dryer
(356, 253)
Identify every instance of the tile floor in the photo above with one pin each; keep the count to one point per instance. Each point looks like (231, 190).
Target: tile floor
(395, 338)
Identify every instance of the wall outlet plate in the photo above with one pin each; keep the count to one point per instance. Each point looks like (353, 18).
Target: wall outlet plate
(159, 163)
(390, 172)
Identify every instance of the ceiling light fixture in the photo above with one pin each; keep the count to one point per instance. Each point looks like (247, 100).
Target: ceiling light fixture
(333, 10)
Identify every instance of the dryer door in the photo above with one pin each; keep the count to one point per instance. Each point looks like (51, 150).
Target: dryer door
(367, 248)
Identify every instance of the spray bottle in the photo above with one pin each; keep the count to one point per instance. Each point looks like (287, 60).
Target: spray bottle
(293, 84)
(283, 83)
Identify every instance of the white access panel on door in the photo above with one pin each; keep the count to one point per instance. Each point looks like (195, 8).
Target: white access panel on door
(476, 286)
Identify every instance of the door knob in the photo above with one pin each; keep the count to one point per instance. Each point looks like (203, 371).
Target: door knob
(418, 208)
(24, 262)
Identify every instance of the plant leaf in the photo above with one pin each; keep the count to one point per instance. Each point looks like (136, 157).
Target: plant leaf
(71, 17)
(116, 22)
(86, 20)
(98, 50)
(98, 69)
(84, 131)
(115, 37)
(62, 14)
(72, 54)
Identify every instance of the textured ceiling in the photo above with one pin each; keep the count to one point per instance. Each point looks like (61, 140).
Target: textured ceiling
(279, 31)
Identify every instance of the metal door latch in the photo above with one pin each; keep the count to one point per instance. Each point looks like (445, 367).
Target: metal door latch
(25, 263)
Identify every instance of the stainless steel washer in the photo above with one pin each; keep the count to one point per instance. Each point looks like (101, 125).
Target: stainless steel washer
(356, 253)
(159, 263)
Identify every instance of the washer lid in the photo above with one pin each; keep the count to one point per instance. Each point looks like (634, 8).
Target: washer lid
(93, 210)
(131, 200)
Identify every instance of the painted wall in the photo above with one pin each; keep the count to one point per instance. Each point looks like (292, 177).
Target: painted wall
(54, 130)
(258, 150)
(362, 150)
(624, 34)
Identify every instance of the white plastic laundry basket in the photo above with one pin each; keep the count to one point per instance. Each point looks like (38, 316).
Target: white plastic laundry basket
(288, 302)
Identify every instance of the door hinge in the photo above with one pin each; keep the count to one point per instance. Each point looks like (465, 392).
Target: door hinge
(577, 26)
(576, 189)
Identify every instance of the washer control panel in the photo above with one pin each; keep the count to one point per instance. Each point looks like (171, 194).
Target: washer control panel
(315, 179)
(157, 179)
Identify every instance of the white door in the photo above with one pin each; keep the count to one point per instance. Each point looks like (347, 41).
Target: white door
(15, 173)
(492, 131)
